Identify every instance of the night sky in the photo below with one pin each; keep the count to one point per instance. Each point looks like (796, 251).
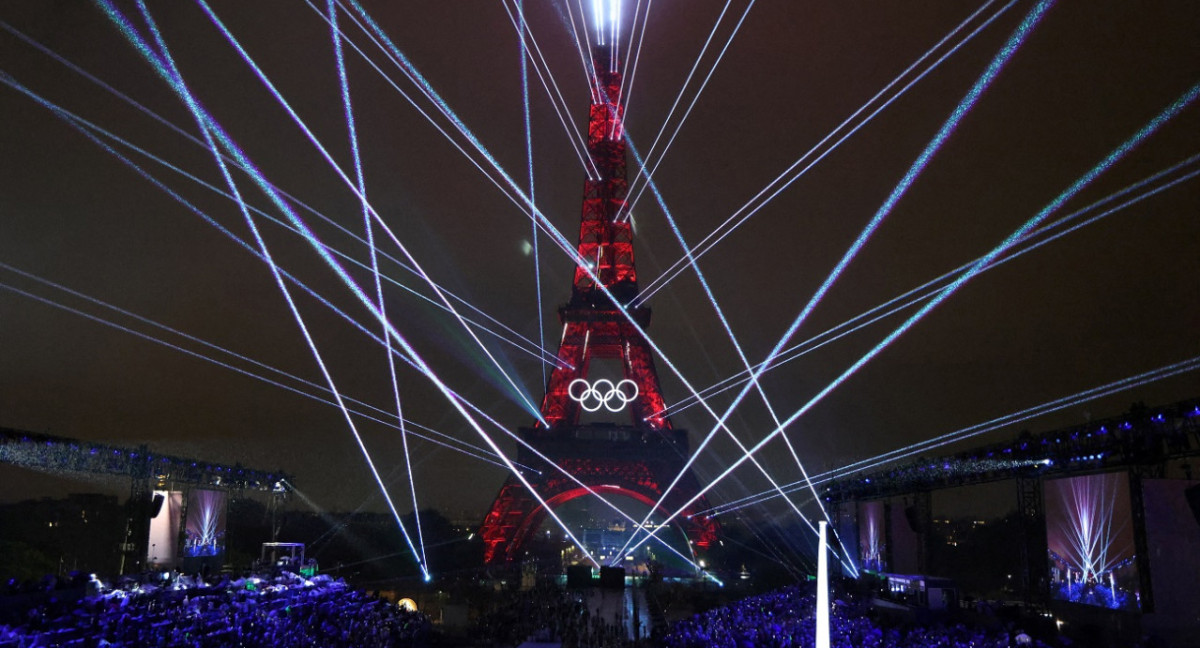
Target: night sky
(1114, 299)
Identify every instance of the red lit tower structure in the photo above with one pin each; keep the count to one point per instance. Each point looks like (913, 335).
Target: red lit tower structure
(637, 459)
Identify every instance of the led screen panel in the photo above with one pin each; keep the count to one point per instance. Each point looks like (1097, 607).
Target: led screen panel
(872, 552)
(1089, 535)
(205, 530)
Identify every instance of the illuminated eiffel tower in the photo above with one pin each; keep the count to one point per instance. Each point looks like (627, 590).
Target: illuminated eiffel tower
(635, 459)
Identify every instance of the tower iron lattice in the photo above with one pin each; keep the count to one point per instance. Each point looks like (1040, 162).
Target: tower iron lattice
(637, 459)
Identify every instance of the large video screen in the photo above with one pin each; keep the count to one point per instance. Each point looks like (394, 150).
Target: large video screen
(1089, 534)
(205, 530)
(872, 552)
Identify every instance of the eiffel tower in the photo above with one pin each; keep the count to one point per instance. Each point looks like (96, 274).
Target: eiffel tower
(636, 459)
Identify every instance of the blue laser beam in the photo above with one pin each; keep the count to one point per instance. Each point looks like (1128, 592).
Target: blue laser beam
(741, 354)
(1124, 384)
(708, 242)
(993, 69)
(344, 87)
(518, 390)
(899, 303)
(172, 72)
(1125, 147)
(214, 128)
(540, 353)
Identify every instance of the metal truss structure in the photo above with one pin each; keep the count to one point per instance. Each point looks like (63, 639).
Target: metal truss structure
(1144, 437)
(144, 469)
(1141, 442)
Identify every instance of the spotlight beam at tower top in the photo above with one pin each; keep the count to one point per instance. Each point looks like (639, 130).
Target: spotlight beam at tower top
(606, 16)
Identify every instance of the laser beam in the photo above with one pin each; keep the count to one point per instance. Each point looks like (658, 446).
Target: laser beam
(1150, 128)
(214, 128)
(750, 208)
(993, 69)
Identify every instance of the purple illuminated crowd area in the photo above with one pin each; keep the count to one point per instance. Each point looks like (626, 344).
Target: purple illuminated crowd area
(785, 619)
(285, 610)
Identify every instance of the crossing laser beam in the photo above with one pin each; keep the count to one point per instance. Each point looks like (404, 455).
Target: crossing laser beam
(643, 173)
(1125, 384)
(513, 336)
(907, 299)
(679, 96)
(344, 87)
(167, 68)
(547, 79)
(749, 209)
(1112, 158)
(745, 361)
(547, 226)
(211, 126)
(993, 69)
(518, 390)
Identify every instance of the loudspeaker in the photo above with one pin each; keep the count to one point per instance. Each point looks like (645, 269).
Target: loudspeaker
(156, 504)
(916, 522)
(1192, 494)
(612, 577)
(579, 576)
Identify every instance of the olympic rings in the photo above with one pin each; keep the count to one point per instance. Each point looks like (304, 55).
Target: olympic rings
(602, 393)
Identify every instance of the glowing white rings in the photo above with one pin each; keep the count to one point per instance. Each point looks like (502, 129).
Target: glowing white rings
(602, 393)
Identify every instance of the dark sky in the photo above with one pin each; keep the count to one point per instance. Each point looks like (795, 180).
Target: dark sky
(1118, 297)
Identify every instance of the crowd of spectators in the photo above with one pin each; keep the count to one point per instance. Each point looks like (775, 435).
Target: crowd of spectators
(285, 610)
(554, 615)
(785, 618)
